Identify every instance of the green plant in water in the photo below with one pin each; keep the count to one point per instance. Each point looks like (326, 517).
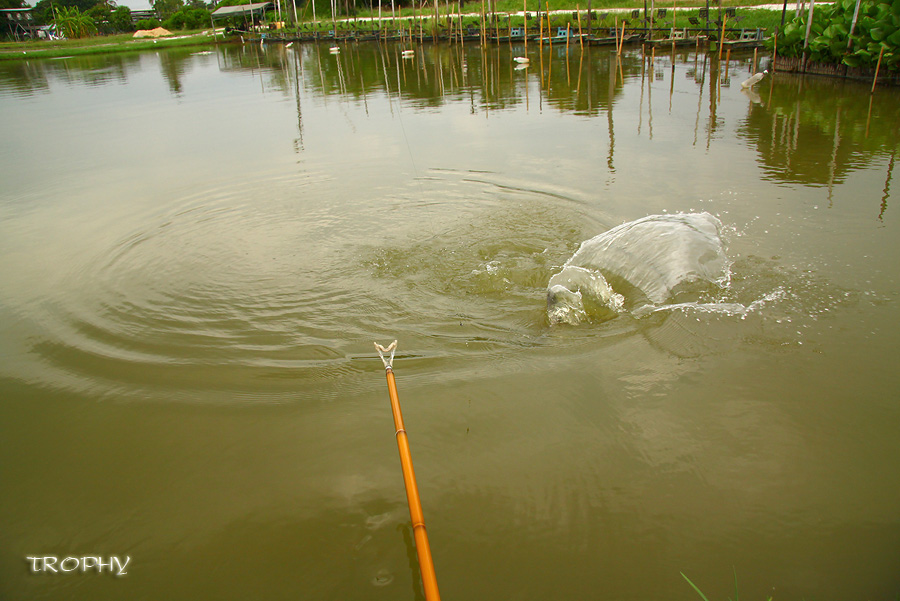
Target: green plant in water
(702, 596)
(835, 38)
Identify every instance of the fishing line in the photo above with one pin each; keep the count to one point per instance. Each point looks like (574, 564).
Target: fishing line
(412, 160)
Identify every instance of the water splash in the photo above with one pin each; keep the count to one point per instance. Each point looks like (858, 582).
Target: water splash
(641, 266)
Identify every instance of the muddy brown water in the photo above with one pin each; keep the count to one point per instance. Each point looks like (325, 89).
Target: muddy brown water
(197, 250)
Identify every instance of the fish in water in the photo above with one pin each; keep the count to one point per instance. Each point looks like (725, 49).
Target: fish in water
(653, 260)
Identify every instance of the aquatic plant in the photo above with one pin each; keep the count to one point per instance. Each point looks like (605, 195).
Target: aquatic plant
(702, 596)
(842, 34)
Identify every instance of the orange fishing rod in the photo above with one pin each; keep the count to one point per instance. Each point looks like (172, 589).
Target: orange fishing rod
(423, 550)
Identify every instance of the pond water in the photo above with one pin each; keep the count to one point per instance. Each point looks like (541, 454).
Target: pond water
(198, 249)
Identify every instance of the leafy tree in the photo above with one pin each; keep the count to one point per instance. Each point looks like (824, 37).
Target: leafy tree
(167, 8)
(187, 18)
(44, 10)
(121, 19)
(147, 24)
(100, 14)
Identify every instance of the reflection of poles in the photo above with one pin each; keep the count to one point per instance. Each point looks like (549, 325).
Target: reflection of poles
(297, 64)
(672, 84)
(869, 115)
(641, 103)
(650, 76)
(578, 86)
(713, 83)
(887, 186)
(609, 113)
(700, 99)
(832, 165)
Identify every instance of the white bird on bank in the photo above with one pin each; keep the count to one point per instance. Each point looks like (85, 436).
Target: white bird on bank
(749, 83)
(522, 59)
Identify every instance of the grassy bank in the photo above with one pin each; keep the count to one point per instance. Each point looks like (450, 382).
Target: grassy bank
(100, 45)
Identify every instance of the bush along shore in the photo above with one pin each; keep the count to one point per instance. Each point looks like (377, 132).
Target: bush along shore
(858, 39)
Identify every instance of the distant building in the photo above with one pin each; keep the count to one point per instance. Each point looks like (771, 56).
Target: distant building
(19, 22)
(140, 15)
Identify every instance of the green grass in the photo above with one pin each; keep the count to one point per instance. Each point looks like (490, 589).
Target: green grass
(98, 45)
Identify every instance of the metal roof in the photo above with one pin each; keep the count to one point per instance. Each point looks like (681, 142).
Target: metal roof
(231, 11)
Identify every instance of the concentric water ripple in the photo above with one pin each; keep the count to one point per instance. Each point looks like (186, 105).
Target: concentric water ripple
(247, 291)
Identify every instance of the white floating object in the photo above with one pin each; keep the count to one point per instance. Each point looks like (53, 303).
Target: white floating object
(749, 83)
(521, 59)
(408, 53)
(334, 50)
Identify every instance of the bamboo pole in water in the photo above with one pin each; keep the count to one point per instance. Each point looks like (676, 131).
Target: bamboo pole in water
(722, 37)
(549, 31)
(423, 550)
(525, 27)
(674, 2)
(617, 34)
(540, 32)
(877, 67)
(483, 28)
(580, 34)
